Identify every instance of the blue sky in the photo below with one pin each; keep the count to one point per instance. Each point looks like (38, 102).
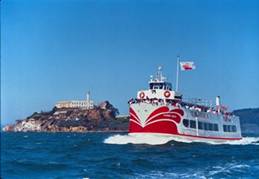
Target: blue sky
(55, 50)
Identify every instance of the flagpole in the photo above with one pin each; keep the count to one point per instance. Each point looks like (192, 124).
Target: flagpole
(177, 73)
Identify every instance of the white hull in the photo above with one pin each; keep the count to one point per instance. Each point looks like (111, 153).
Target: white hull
(186, 139)
(169, 120)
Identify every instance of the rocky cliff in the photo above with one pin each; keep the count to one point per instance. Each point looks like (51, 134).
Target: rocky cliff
(100, 118)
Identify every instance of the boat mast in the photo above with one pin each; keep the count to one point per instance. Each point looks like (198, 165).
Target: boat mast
(177, 73)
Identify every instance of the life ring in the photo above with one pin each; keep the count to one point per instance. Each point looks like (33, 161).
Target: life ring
(142, 95)
(167, 94)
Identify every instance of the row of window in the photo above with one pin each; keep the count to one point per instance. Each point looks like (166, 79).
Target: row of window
(229, 128)
(201, 125)
(208, 126)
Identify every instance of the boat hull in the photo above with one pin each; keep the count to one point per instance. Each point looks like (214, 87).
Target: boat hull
(168, 120)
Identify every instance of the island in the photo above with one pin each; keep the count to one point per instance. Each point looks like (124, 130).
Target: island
(99, 118)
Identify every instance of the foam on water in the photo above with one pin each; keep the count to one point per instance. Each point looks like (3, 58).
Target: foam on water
(127, 139)
(246, 141)
(159, 140)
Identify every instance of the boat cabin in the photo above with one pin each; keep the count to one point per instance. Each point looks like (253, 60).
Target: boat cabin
(159, 88)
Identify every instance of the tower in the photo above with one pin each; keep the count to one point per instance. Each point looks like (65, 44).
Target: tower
(88, 98)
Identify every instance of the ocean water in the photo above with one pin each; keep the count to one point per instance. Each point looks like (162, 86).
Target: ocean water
(111, 155)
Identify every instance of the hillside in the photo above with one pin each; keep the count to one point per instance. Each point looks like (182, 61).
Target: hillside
(249, 119)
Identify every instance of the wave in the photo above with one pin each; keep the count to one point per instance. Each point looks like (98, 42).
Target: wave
(229, 169)
(37, 165)
(160, 140)
(246, 141)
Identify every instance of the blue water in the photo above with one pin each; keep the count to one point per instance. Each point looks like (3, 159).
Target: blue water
(77, 155)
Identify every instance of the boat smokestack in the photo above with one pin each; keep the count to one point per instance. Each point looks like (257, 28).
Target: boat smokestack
(218, 103)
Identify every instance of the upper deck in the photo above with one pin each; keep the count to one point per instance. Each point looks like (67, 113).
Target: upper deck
(159, 88)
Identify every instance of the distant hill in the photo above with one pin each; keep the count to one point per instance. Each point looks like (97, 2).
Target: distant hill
(249, 119)
(247, 116)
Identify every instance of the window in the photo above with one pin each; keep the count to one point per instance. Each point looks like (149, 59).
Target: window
(192, 124)
(210, 127)
(200, 125)
(215, 127)
(224, 128)
(229, 128)
(161, 86)
(165, 86)
(203, 125)
(234, 128)
(206, 126)
(186, 122)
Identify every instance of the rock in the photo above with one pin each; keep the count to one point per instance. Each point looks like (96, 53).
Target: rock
(8, 128)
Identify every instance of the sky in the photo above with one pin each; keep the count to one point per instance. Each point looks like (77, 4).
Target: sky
(55, 50)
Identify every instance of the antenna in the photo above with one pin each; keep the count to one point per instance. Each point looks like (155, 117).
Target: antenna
(159, 73)
(151, 77)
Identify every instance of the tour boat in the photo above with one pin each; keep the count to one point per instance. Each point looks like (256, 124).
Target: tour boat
(162, 111)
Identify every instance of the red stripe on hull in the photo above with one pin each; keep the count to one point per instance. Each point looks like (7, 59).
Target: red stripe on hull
(134, 113)
(159, 110)
(180, 111)
(163, 121)
(165, 127)
(205, 137)
(134, 118)
(174, 117)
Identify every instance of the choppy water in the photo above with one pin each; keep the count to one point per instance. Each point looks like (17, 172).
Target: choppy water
(109, 155)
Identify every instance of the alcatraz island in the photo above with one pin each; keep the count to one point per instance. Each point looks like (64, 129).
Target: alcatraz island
(73, 116)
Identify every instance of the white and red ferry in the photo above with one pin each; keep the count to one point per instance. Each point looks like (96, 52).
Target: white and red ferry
(161, 111)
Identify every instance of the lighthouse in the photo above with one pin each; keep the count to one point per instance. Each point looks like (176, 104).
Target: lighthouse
(88, 101)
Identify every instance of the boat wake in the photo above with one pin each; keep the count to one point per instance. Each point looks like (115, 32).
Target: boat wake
(129, 139)
(160, 140)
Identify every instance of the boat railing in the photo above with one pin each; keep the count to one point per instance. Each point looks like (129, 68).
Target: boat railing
(196, 107)
(154, 101)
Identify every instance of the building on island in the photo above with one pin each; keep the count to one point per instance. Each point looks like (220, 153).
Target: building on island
(87, 104)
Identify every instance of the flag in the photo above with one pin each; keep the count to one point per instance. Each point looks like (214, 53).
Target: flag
(187, 66)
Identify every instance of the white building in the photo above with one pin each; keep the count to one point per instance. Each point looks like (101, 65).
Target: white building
(88, 104)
